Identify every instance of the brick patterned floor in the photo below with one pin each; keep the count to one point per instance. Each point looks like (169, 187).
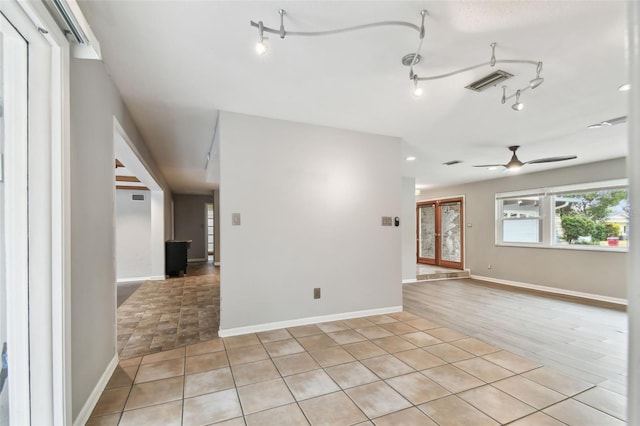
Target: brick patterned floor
(171, 313)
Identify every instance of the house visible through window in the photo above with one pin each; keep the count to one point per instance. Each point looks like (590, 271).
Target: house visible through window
(585, 216)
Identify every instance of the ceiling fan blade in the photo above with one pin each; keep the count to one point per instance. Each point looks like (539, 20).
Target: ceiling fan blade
(551, 159)
(491, 165)
(617, 120)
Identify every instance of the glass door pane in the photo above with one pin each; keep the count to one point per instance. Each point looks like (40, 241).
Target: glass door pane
(451, 232)
(427, 233)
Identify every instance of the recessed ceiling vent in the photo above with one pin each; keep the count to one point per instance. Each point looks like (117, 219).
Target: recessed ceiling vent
(489, 81)
(451, 163)
(137, 197)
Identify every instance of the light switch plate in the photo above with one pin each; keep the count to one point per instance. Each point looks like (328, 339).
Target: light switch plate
(387, 221)
(235, 219)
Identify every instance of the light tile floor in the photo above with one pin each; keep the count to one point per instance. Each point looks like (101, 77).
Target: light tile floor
(396, 369)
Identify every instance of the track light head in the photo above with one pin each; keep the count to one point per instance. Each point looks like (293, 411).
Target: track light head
(417, 90)
(261, 45)
(504, 95)
(538, 80)
(261, 48)
(518, 105)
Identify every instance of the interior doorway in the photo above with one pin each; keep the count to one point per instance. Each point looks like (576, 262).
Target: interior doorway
(440, 232)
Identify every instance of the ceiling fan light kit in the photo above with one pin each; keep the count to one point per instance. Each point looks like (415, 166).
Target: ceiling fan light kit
(412, 59)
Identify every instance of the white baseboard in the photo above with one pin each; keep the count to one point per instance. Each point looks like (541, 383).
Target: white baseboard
(133, 280)
(553, 290)
(157, 277)
(409, 281)
(204, 259)
(216, 263)
(306, 321)
(91, 402)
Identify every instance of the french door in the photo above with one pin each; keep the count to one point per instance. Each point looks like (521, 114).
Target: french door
(440, 239)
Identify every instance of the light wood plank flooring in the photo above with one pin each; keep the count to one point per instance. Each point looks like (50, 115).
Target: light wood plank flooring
(583, 341)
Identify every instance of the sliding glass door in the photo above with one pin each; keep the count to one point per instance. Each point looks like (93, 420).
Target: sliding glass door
(13, 173)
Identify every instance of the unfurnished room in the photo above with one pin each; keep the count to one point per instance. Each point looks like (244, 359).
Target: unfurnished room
(319, 212)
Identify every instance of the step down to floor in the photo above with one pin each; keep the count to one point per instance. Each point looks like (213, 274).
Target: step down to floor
(442, 275)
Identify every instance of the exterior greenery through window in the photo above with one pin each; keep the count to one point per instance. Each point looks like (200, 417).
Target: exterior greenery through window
(589, 216)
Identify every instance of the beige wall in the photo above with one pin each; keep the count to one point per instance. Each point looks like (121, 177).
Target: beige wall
(594, 272)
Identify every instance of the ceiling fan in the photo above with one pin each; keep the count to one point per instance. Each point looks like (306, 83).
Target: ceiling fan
(514, 164)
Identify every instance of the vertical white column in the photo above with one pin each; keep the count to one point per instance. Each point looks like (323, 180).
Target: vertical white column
(408, 228)
(633, 159)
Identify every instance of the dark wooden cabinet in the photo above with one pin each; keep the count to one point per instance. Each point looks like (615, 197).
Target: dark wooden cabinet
(175, 253)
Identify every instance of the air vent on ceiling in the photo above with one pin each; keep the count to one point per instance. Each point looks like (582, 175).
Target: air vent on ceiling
(451, 163)
(488, 81)
(137, 197)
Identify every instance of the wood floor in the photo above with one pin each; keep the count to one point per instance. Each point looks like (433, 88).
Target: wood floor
(583, 341)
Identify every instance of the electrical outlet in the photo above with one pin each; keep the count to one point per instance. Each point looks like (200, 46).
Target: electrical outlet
(316, 293)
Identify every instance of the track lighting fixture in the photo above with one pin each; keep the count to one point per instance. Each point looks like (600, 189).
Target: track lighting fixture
(261, 46)
(538, 80)
(517, 106)
(417, 90)
(411, 59)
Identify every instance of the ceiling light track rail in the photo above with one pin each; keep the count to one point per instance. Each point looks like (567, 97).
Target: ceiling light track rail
(282, 32)
(336, 31)
(473, 67)
(261, 48)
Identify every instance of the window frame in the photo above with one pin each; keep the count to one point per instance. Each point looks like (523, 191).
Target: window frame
(547, 214)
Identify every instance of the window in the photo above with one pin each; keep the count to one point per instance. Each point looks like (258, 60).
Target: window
(210, 229)
(521, 219)
(586, 216)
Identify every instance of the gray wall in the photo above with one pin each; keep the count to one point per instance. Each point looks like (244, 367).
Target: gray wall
(190, 222)
(311, 200)
(94, 103)
(594, 272)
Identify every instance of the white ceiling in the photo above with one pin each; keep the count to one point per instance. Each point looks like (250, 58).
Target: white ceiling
(177, 63)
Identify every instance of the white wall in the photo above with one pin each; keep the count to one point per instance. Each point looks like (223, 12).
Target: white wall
(408, 227)
(593, 272)
(94, 103)
(311, 200)
(133, 235)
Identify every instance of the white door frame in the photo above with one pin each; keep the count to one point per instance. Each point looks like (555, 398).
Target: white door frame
(48, 224)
